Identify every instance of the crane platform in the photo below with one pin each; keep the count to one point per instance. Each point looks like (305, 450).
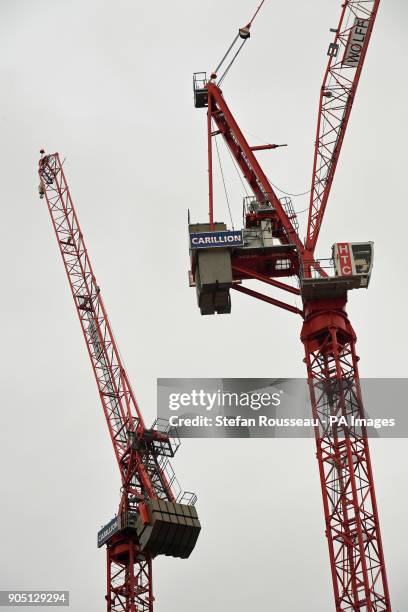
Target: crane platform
(351, 265)
(160, 527)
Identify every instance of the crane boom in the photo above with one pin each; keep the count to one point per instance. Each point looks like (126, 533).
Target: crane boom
(118, 401)
(346, 60)
(219, 112)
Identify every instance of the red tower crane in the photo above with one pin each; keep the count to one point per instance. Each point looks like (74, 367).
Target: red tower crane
(154, 516)
(269, 247)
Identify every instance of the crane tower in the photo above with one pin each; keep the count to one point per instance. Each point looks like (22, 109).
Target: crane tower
(154, 516)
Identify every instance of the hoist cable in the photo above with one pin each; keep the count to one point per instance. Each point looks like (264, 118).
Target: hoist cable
(294, 195)
(237, 170)
(229, 49)
(256, 12)
(231, 62)
(299, 212)
(242, 33)
(223, 182)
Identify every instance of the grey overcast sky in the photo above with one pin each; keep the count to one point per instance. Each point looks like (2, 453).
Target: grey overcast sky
(108, 85)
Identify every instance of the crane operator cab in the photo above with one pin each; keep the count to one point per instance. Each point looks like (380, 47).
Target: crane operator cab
(355, 260)
(352, 262)
(200, 89)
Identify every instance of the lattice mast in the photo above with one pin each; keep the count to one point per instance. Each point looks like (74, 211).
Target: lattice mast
(350, 508)
(142, 454)
(270, 247)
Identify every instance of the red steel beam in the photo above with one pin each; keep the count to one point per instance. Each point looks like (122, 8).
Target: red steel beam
(266, 298)
(265, 279)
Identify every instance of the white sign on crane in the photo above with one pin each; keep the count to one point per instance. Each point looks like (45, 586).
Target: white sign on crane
(355, 43)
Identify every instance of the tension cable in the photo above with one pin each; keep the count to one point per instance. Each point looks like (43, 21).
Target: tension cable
(243, 34)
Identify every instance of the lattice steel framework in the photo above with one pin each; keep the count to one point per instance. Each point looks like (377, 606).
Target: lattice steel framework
(351, 515)
(129, 585)
(337, 95)
(143, 472)
(350, 508)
